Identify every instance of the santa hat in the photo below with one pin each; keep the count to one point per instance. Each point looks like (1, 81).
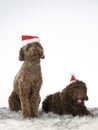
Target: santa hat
(29, 39)
(73, 79)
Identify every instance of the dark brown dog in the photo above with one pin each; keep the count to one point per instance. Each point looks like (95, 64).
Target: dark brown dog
(69, 101)
(27, 83)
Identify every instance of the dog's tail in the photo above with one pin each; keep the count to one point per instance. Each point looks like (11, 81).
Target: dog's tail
(45, 104)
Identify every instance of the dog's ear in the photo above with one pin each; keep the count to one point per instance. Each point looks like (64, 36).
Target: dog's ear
(21, 55)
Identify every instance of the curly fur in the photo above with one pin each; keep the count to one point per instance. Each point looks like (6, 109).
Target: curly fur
(69, 101)
(27, 83)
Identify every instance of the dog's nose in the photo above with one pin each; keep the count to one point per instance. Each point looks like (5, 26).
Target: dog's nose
(86, 97)
(42, 56)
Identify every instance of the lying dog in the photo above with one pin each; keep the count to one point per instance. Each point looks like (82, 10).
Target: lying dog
(69, 101)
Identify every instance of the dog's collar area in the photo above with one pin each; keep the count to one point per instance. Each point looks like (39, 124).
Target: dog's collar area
(32, 59)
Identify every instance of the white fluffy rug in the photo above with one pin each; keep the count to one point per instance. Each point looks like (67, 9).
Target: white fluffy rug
(13, 121)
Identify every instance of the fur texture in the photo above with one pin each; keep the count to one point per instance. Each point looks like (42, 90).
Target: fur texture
(27, 83)
(69, 101)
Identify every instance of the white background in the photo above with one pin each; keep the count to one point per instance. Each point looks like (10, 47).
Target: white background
(68, 31)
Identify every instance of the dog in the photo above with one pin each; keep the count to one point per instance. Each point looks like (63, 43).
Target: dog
(69, 101)
(27, 82)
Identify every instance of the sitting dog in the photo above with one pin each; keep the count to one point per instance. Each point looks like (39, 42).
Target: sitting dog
(27, 83)
(69, 101)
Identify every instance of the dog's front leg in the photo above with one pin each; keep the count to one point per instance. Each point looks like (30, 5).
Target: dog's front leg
(25, 102)
(35, 100)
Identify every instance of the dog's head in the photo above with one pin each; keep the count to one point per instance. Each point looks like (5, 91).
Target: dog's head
(76, 93)
(31, 50)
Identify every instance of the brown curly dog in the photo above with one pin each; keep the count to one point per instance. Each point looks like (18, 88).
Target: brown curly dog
(27, 83)
(69, 101)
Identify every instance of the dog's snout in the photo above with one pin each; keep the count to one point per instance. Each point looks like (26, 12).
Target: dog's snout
(85, 97)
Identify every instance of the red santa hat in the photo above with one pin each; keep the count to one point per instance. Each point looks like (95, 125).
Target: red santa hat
(29, 39)
(73, 79)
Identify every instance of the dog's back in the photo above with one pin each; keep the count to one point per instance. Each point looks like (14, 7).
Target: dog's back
(52, 103)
